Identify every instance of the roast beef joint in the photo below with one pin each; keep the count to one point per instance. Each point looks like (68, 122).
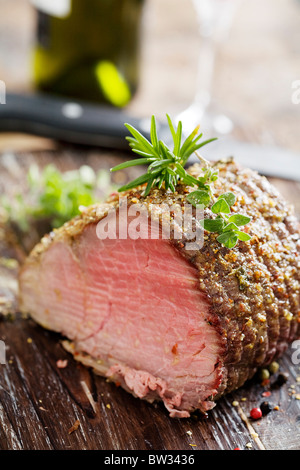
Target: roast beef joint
(164, 320)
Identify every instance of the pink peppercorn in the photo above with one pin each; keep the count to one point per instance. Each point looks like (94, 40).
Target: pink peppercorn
(256, 413)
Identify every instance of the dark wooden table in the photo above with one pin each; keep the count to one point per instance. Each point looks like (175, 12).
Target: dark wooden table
(40, 403)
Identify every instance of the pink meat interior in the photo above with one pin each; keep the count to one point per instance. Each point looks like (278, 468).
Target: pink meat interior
(134, 304)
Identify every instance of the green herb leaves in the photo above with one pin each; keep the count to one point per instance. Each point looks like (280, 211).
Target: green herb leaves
(229, 198)
(199, 197)
(165, 166)
(55, 197)
(228, 239)
(166, 169)
(239, 219)
(213, 225)
(221, 206)
(227, 225)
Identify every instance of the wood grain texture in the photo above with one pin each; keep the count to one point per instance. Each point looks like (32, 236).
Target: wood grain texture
(40, 402)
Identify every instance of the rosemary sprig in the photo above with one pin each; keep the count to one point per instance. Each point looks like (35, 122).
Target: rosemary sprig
(166, 166)
(166, 170)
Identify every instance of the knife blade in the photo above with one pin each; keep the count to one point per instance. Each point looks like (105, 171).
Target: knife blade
(65, 120)
(268, 160)
(82, 123)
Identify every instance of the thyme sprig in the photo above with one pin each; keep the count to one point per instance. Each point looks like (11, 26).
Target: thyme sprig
(226, 224)
(166, 170)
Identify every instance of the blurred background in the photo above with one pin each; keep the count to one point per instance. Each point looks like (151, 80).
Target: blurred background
(256, 60)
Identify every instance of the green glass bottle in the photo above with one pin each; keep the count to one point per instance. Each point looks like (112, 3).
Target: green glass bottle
(88, 49)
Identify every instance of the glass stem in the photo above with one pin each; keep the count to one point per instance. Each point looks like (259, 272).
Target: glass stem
(205, 74)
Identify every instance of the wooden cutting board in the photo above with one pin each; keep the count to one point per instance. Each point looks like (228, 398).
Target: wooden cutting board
(44, 406)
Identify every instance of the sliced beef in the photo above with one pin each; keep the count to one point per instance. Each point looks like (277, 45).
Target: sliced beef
(167, 322)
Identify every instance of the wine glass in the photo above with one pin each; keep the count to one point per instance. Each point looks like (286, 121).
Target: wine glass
(215, 18)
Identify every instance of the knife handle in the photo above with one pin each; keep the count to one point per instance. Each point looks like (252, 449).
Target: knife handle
(75, 122)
